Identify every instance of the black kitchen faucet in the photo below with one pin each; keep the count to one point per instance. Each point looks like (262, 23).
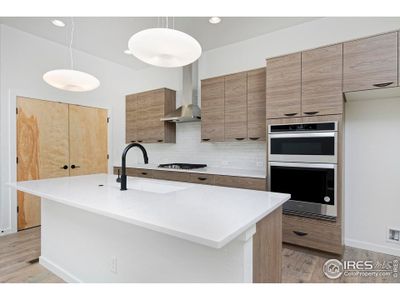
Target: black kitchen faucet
(123, 164)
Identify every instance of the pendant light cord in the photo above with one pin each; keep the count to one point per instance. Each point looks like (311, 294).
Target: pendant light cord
(71, 41)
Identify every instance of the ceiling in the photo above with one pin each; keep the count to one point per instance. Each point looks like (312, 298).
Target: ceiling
(107, 37)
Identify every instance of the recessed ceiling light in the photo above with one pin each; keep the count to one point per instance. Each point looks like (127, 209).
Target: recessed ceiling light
(214, 20)
(58, 23)
(128, 52)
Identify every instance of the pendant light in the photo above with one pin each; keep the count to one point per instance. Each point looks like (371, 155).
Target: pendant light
(164, 47)
(70, 79)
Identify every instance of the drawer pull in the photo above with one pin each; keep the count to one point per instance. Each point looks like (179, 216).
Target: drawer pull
(254, 138)
(299, 233)
(239, 139)
(133, 141)
(202, 178)
(160, 141)
(383, 84)
(205, 140)
(290, 115)
(144, 173)
(140, 141)
(311, 112)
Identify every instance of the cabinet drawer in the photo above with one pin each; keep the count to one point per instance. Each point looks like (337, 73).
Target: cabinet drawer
(317, 234)
(171, 175)
(129, 171)
(143, 173)
(202, 178)
(241, 182)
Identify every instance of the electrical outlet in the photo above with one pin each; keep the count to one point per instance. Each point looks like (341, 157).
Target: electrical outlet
(114, 264)
(393, 235)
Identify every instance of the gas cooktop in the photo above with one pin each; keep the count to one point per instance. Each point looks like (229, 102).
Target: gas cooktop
(182, 166)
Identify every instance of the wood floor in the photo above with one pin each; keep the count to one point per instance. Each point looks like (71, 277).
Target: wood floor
(19, 253)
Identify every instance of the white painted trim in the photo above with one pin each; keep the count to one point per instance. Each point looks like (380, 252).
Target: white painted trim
(57, 270)
(372, 247)
(6, 231)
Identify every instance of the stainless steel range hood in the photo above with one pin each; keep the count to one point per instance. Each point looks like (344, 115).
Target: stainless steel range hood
(189, 111)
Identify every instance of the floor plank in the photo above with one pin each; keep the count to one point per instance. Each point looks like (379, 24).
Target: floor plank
(298, 264)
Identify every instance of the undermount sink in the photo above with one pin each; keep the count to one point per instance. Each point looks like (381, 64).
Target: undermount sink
(152, 187)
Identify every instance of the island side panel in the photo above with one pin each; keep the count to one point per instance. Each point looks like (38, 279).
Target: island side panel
(81, 246)
(267, 249)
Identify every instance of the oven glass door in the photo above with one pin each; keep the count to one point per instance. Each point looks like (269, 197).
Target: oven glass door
(307, 184)
(310, 147)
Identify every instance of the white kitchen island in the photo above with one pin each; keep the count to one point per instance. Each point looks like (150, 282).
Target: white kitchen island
(156, 231)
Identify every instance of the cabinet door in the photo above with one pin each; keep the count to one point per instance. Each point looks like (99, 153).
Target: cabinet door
(88, 140)
(154, 128)
(256, 105)
(283, 90)
(42, 150)
(322, 81)
(212, 109)
(370, 63)
(236, 107)
(131, 110)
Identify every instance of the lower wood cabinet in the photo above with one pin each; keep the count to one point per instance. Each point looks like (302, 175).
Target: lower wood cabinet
(313, 233)
(241, 182)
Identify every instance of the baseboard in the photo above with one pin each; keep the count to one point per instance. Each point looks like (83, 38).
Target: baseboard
(7, 231)
(372, 247)
(57, 270)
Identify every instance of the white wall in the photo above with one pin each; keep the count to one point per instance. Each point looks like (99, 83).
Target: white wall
(372, 170)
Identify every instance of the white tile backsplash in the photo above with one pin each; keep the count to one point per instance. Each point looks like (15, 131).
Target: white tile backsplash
(188, 148)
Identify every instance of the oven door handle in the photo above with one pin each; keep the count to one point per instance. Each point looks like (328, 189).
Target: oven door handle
(302, 135)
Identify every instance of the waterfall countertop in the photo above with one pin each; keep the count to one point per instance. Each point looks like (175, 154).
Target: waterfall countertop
(204, 214)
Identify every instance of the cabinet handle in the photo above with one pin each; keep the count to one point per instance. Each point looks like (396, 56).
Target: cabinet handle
(205, 140)
(64, 167)
(239, 139)
(144, 173)
(299, 233)
(290, 115)
(202, 178)
(311, 112)
(383, 84)
(133, 141)
(74, 167)
(160, 141)
(254, 138)
(140, 141)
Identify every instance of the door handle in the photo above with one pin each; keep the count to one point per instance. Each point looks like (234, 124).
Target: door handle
(300, 233)
(64, 167)
(290, 115)
(74, 167)
(383, 84)
(311, 112)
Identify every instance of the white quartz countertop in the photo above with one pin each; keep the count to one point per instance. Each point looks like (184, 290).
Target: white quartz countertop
(204, 214)
(208, 170)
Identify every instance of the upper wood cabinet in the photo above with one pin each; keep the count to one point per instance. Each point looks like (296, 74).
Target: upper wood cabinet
(233, 107)
(371, 63)
(283, 86)
(212, 109)
(256, 104)
(236, 107)
(321, 82)
(143, 114)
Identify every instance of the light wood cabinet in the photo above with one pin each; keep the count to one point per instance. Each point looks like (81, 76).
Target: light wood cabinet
(321, 83)
(256, 105)
(143, 113)
(233, 107)
(241, 182)
(371, 63)
(283, 86)
(212, 109)
(236, 107)
(312, 233)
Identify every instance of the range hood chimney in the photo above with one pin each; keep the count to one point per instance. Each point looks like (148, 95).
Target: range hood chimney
(189, 111)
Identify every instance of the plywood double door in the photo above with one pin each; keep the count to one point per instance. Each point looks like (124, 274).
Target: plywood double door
(56, 140)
